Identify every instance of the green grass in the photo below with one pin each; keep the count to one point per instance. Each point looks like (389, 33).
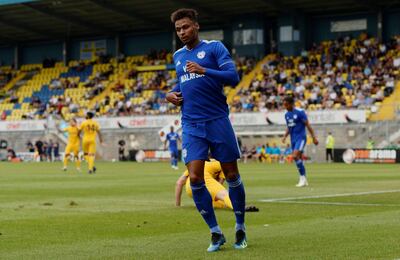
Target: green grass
(126, 211)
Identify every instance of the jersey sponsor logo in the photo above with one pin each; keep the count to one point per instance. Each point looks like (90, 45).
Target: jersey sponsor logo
(291, 123)
(190, 76)
(201, 54)
(184, 68)
(178, 63)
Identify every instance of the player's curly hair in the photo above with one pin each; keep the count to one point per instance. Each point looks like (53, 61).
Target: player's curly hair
(289, 99)
(184, 13)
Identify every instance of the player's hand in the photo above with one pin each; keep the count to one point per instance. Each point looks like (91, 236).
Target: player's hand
(103, 144)
(193, 67)
(284, 140)
(175, 98)
(315, 140)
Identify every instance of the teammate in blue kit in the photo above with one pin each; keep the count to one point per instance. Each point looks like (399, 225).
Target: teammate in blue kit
(203, 68)
(172, 139)
(297, 122)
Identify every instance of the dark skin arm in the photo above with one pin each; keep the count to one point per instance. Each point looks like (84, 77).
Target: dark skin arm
(311, 131)
(175, 98)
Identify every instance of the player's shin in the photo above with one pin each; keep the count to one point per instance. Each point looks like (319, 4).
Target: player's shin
(300, 167)
(78, 162)
(203, 201)
(65, 161)
(238, 198)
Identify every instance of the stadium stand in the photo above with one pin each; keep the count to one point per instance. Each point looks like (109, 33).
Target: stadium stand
(346, 73)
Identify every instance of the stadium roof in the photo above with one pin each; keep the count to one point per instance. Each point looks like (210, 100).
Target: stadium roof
(63, 19)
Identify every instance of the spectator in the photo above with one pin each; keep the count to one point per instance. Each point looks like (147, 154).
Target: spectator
(30, 147)
(329, 145)
(370, 143)
(56, 150)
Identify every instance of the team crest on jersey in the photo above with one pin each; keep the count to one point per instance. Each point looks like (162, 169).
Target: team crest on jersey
(295, 116)
(201, 54)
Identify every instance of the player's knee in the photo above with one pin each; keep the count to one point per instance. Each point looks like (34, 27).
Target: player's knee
(196, 178)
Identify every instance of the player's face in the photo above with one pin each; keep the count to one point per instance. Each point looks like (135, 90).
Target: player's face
(287, 105)
(72, 122)
(187, 30)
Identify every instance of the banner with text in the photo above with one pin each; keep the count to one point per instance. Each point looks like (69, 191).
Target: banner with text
(237, 119)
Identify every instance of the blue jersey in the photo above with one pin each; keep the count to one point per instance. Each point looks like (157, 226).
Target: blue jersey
(173, 141)
(203, 95)
(296, 123)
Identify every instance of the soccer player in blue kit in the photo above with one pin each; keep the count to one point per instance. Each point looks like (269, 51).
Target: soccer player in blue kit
(203, 68)
(297, 122)
(172, 139)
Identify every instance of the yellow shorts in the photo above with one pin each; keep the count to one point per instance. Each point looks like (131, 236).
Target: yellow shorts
(72, 148)
(212, 185)
(89, 146)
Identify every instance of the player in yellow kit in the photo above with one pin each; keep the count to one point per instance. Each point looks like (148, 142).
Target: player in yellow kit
(90, 130)
(214, 178)
(73, 145)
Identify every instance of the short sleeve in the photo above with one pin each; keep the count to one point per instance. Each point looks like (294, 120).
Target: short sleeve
(222, 54)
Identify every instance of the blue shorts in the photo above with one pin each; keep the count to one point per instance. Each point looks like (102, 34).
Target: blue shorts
(216, 136)
(174, 153)
(299, 144)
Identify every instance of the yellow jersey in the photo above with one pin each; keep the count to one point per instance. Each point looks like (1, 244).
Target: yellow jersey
(89, 128)
(73, 134)
(212, 169)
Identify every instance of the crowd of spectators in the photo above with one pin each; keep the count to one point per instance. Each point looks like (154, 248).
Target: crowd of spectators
(44, 150)
(267, 153)
(352, 73)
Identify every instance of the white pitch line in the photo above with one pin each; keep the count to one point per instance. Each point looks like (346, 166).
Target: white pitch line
(337, 203)
(330, 195)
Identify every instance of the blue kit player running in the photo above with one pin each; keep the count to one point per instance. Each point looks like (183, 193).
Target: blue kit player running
(297, 122)
(203, 68)
(172, 139)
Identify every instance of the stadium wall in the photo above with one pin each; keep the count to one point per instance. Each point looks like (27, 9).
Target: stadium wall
(6, 56)
(142, 44)
(30, 54)
(350, 135)
(321, 26)
(391, 24)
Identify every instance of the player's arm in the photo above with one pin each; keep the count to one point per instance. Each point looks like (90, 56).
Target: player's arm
(227, 73)
(178, 189)
(285, 135)
(308, 126)
(311, 131)
(165, 143)
(175, 95)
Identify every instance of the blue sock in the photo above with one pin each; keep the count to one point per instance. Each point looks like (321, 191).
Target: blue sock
(300, 167)
(238, 198)
(203, 201)
(176, 162)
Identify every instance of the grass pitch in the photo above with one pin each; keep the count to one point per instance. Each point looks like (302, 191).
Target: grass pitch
(126, 211)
